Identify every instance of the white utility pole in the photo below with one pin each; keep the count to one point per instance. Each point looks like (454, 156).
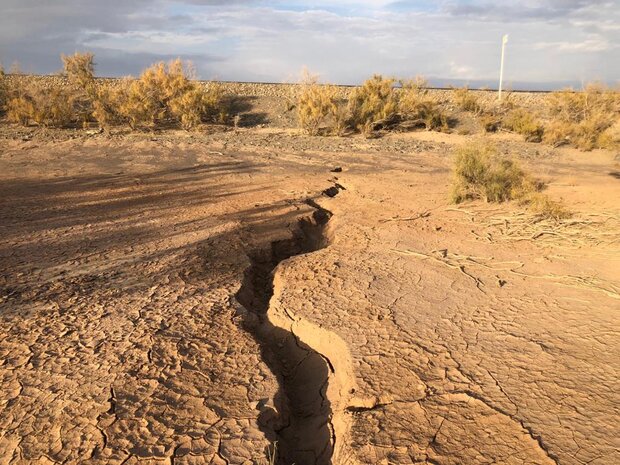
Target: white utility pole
(501, 69)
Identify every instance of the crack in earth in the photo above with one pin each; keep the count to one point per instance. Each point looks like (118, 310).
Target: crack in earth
(312, 365)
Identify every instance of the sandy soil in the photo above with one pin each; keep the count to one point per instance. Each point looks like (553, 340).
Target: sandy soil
(196, 298)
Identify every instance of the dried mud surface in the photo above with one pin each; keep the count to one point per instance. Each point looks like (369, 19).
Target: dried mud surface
(178, 298)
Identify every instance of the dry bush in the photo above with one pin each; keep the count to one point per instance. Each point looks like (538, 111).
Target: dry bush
(467, 101)
(374, 100)
(525, 123)
(481, 172)
(610, 137)
(79, 69)
(543, 207)
(319, 107)
(491, 122)
(51, 106)
(108, 102)
(164, 94)
(198, 104)
(415, 105)
(583, 119)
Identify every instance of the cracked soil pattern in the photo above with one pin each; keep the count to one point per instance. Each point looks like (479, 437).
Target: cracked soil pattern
(178, 299)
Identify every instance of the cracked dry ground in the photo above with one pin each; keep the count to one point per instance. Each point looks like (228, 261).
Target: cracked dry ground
(150, 313)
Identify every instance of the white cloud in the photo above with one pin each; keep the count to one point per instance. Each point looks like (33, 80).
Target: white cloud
(588, 45)
(551, 40)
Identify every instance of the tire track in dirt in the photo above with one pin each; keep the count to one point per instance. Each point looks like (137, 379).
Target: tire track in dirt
(307, 418)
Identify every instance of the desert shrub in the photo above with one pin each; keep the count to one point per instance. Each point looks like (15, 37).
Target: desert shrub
(543, 207)
(79, 69)
(53, 104)
(467, 101)
(525, 123)
(50, 106)
(319, 107)
(610, 137)
(373, 101)
(198, 104)
(583, 119)
(108, 103)
(414, 104)
(481, 172)
(163, 94)
(491, 122)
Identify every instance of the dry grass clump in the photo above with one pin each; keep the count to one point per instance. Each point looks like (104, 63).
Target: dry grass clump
(375, 100)
(543, 207)
(467, 101)
(583, 119)
(525, 123)
(480, 171)
(415, 105)
(319, 108)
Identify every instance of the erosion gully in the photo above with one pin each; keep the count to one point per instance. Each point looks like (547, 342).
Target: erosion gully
(311, 364)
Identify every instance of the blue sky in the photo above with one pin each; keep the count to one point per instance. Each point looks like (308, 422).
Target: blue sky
(551, 41)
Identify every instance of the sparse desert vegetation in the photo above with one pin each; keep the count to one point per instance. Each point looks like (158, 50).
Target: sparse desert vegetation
(586, 119)
(376, 105)
(467, 101)
(320, 108)
(409, 255)
(163, 96)
(523, 122)
(167, 95)
(481, 172)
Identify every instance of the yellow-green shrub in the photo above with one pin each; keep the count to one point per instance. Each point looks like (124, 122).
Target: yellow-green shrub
(525, 123)
(373, 101)
(414, 104)
(51, 106)
(467, 101)
(481, 172)
(79, 69)
(319, 107)
(165, 94)
(584, 118)
(108, 101)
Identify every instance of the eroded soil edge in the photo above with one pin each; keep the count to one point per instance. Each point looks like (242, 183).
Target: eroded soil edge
(313, 366)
